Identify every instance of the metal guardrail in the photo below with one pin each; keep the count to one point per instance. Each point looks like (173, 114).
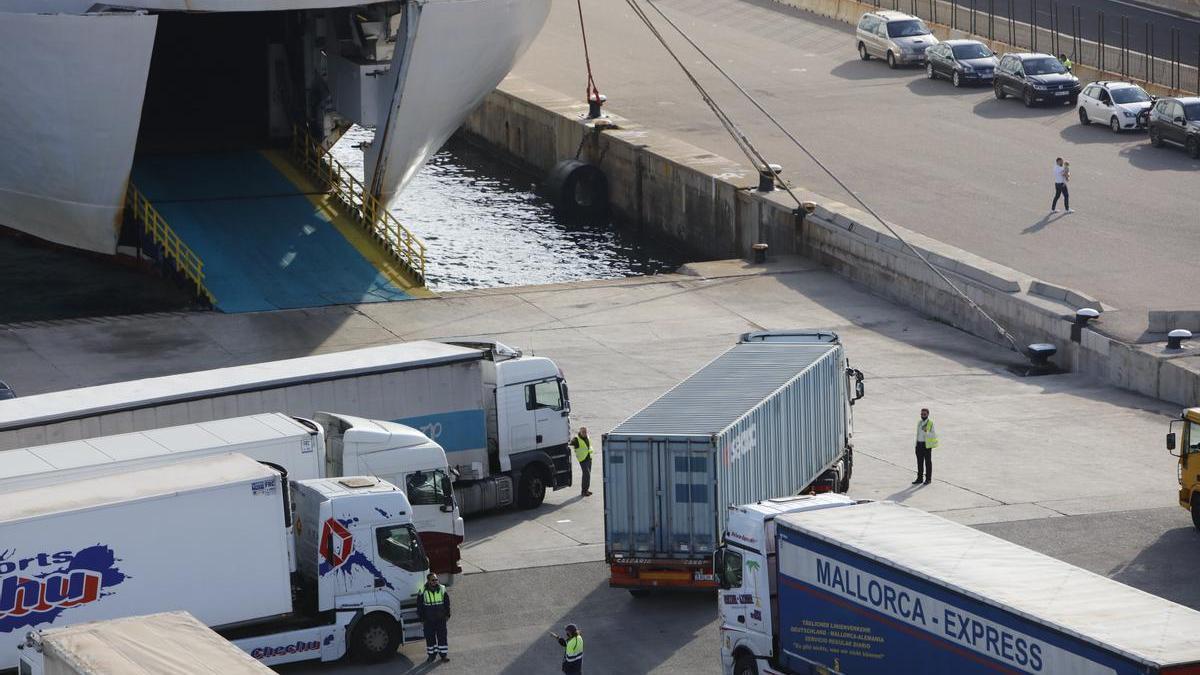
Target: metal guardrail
(185, 259)
(1061, 29)
(402, 244)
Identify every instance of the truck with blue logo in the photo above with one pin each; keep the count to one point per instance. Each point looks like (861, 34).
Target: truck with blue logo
(309, 570)
(500, 415)
(332, 446)
(825, 585)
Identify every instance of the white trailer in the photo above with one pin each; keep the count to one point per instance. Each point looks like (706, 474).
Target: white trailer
(501, 417)
(169, 643)
(215, 536)
(343, 445)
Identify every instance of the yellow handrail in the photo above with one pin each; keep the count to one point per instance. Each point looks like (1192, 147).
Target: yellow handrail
(379, 222)
(173, 247)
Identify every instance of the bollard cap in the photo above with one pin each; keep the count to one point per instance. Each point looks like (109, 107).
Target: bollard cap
(1181, 333)
(1086, 313)
(775, 168)
(759, 247)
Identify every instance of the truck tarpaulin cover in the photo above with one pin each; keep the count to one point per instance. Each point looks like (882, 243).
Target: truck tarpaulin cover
(959, 601)
(172, 643)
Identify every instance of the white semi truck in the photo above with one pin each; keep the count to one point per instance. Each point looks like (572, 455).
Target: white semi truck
(287, 572)
(340, 445)
(168, 643)
(501, 416)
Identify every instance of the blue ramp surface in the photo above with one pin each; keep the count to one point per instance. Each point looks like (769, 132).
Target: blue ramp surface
(264, 243)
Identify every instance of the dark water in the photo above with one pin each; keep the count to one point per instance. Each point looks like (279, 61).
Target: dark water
(486, 226)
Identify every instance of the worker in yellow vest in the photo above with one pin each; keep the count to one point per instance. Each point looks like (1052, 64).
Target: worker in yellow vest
(926, 441)
(433, 609)
(583, 452)
(572, 645)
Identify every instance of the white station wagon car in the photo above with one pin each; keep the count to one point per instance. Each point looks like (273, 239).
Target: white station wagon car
(1120, 105)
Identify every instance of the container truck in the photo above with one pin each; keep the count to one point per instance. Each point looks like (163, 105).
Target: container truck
(1185, 444)
(501, 416)
(340, 445)
(287, 572)
(881, 588)
(769, 417)
(169, 643)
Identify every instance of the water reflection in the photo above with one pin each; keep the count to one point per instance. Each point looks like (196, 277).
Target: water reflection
(485, 226)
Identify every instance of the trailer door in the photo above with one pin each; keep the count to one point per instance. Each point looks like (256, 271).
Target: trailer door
(688, 498)
(629, 496)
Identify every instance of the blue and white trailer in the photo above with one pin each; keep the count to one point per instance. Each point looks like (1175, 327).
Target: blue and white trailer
(883, 588)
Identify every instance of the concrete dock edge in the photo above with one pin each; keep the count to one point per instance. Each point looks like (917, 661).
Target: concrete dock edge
(707, 205)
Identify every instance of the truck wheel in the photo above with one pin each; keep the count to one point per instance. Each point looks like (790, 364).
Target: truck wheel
(744, 665)
(532, 489)
(640, 593)
(1196, 511)
(376, 638)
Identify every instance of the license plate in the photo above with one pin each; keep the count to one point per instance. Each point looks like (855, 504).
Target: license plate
(1061, 93)
(705, 577)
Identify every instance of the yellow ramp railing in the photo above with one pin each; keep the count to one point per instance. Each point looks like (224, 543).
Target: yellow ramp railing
(399, 242)
(173, 247)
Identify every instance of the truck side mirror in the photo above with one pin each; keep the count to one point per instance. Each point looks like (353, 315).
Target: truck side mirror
(719, 568)
(1171, 441)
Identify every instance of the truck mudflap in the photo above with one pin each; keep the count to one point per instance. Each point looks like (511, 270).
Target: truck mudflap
(648, 573)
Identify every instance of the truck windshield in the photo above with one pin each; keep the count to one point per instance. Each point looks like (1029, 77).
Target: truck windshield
(398, 544)
(428, 488)
(1193, 438)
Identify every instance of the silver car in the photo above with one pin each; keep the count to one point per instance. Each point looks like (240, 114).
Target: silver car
(898, 38)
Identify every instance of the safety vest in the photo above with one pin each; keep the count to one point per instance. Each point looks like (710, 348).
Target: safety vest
(583, 450)
(1067, 63)
(931, 440)
(434, 598)
(575, 649)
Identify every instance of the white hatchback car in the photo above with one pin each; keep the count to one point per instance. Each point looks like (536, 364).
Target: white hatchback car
(1120, 105)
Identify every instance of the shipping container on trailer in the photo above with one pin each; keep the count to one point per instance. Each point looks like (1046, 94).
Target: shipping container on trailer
(884, 588)
(168, 643)
(769, 417)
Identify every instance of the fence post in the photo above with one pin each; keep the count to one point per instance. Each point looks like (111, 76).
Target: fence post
(1011, 28)
(1033, 26)
(1100, 40)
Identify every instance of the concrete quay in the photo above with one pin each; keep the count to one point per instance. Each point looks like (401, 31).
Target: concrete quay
(1059, 463)
(953, 164)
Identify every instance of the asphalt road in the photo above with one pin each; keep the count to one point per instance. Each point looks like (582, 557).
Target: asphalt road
(501, 618)
(956, 165)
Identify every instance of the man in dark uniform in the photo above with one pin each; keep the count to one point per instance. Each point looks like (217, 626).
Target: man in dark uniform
(433, 608)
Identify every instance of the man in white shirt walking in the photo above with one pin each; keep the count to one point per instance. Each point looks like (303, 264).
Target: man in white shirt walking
(1062, 174)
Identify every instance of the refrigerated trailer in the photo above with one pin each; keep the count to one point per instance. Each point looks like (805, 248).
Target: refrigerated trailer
(168, 643)
(769, 417)
(339, 445)
(216, 537)
(881, 588)
(501, 416)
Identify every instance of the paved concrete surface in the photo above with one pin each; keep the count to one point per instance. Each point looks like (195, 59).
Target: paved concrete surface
(1057, 462)
(953, 164)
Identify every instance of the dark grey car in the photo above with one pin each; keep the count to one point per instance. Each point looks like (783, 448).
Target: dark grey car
(1176, 120)
(1035, 78)
(963, 62)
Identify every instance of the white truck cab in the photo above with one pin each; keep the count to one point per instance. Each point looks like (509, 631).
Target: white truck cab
(745, 568)
(359, 554)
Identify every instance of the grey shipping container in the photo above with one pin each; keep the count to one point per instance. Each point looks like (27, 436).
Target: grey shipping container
(765, 419)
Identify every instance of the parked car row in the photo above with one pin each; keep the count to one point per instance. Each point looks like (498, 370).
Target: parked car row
(903, 39)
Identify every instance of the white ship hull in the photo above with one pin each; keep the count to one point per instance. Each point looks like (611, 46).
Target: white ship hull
(74, 86)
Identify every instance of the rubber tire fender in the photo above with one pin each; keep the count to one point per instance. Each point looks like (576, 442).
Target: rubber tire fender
(578, 189)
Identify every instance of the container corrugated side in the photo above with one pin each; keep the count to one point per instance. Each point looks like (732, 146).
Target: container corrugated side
(788, 440)
(666, 495)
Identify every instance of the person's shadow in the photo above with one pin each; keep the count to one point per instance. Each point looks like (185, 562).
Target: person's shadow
(1041, 224)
